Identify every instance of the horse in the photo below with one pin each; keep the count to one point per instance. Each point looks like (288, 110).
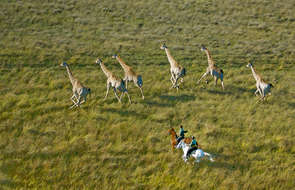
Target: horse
(172, 132)
(197, 154)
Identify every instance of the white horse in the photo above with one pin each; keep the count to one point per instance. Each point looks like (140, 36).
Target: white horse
(197, 154)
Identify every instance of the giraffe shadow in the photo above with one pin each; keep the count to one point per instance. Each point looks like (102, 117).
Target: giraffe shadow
(292, 104)
(125, 113)
(158, 104)
(231, 90)
(181, 98)
(221, 92)
(8, 183)
(39, 133)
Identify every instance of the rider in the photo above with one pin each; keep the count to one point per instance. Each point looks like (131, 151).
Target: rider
(194, 146)
(181, 134)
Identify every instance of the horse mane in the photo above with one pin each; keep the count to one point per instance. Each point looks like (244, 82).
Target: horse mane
(172, 130)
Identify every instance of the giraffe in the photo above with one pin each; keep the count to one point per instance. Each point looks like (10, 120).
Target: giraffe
(130, 75)
(113, 81)
(262, 87)
(79, 91)
(212, 68)
(177, 71)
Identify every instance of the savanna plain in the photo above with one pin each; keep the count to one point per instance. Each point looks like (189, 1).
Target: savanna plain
(108, 145)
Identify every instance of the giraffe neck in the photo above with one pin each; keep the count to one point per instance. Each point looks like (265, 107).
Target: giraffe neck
(72, 79)
(122, 63)
(254, 73)
(210, 60)
(171, 60)
(105, 70)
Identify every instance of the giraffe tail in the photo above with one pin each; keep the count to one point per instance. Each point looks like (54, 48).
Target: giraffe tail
(122, 86)
(183, 72)
(139, 81)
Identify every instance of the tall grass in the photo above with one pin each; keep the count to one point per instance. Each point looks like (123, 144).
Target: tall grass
(107, 145)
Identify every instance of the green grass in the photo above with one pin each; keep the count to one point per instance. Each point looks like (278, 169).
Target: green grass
(107, 145)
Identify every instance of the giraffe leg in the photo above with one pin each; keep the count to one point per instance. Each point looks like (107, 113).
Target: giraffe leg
(121, 95)
(222, 84)
(116, 95)
(172, 80)
(260, 91)
(84, 100)
(72, 98)
(141, 92)
(108, 88)
(175, 81)
(175, 85)
(181, 80)
(72, 106)
(261, 95)
(128, 97)
(256, 92)
(202, 77)
(77, 103)
(174, 76)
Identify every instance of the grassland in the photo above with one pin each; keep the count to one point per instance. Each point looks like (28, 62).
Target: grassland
(107, 145)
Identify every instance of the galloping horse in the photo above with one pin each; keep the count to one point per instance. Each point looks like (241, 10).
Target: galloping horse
(172, 132)
(197, 154)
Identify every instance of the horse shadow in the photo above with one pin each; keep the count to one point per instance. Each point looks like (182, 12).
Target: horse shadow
(216, 164)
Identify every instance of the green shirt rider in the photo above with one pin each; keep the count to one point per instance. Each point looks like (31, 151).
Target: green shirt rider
(181, 134)
(194, 146)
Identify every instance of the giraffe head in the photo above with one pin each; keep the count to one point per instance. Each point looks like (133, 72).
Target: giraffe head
(98, 61)
(203, 48)
(63, 64)
(163, 46)
(249, 65)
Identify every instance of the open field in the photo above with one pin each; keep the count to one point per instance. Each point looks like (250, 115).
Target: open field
(107, 145)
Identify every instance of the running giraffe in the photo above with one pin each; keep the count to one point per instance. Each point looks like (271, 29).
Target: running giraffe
(79, 91)
(177, 71)
(113, 81)
(262, 87)
(212, 68)
(130, 75)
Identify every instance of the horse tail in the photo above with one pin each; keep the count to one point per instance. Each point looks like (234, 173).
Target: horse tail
(221, 74)
(209, 155)
(139, 81)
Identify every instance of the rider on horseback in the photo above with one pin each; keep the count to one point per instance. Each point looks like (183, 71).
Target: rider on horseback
(181, 134)
(194, 146)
